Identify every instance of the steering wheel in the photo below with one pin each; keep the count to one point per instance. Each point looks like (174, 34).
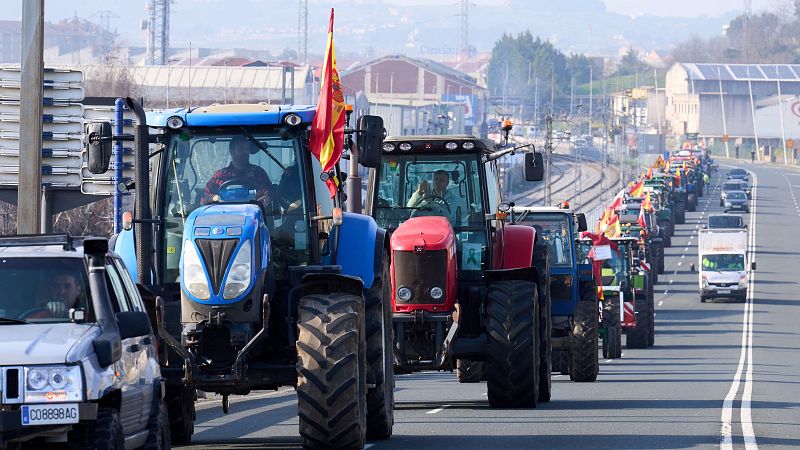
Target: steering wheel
(32, 311)
(438, 206)
(236, 181)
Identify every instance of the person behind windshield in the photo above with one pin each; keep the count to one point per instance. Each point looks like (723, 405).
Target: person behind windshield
(254, 177)
(441, 181)
(65, 293)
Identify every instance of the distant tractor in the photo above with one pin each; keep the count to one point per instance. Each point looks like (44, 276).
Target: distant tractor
(572, 289)
(466, 293)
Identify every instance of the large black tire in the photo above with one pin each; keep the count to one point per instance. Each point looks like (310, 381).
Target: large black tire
(180, 406)
(380, 344)
(104, 433)
(651, 337)
(541, 261)
(691, 201)
(469, 371)
(158, 429)
(680, 212)
(639, 336)
(512, 351)
(612, 343)
(584, 365)
(331, 371)
(560, 360)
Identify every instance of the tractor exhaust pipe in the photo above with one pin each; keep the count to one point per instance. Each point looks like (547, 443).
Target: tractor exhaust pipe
(144, 226)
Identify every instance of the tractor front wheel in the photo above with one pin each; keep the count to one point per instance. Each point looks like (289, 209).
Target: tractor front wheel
(541, 261)
(380, 343)
(331, 371)
(469, 371)
(512, 351)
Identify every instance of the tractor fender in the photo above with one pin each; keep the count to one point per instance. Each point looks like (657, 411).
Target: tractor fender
(357, 247)
(518, 246)
(123, 245)
(329, 282)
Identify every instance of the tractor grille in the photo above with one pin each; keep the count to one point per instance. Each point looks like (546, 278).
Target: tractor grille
(420, 272)
(216, 254)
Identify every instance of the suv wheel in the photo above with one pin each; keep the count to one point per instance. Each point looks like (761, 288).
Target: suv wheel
(105, 433)
(158, 429)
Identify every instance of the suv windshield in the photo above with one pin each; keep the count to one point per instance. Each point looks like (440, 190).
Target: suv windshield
(44, 289)
(735, 195)
(724, 222)
(553, 230)
(429, 185)
(723, 263)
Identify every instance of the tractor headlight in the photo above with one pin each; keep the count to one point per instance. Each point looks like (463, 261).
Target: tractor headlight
(239, 274)
(436, 292)
(404, 294)
(193, 275)
(53, 384)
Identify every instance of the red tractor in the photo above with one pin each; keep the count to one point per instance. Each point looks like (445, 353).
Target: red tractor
(465, 289)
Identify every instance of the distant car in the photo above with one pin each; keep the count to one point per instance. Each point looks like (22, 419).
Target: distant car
(729, 186)
(725, 221)
(78, 357)
(738, 174)
(581, 143)
(737, 201)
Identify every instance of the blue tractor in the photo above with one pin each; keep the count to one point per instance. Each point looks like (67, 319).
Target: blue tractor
(572, 289)
(255, 277)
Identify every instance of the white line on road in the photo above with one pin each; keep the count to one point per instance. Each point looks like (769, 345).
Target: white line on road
(686, 249)
(670, 281)
(660, 302)
(437, 410)
(666, 292)
(746, 355)
(679, 263)
(683, 256)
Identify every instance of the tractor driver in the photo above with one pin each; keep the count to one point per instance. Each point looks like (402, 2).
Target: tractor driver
(240, 168)
(441, 181)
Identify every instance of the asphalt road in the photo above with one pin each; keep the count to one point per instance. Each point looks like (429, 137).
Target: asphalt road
(722, 374)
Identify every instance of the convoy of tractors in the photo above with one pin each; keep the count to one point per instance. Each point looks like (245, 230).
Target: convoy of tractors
(257, 282)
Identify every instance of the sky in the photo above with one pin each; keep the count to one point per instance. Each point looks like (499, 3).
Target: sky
(411, 25)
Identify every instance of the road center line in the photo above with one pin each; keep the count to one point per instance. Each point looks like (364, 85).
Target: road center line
(660, 302)
(437, 410)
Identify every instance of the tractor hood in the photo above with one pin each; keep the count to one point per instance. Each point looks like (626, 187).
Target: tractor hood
(423, 234)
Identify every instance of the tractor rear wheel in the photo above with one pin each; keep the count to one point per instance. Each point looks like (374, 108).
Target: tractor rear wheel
(380, 359)
(331, 371)
(691, 201)
(584, 365)
(512, 350)
(612, 342)
(638, 337)
(680, 212)
(541, 261)
(469, 371)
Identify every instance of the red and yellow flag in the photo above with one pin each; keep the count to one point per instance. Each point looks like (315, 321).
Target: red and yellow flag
(649, 174)
(647, 203)
(637, 189)
(327, 129)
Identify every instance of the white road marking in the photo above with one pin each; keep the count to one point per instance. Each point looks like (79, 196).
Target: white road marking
(674, 273)
(660, 302)
(686, 249)
(670, 281)
(679, 263)
(746, 355)
(683, 256)
(609, 360)
(437, 410)
(665, 292)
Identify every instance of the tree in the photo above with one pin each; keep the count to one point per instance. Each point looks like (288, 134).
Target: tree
(630, 63)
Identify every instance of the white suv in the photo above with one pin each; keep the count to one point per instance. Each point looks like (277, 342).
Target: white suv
(78, 362)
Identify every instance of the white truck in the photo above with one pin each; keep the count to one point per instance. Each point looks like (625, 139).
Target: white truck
(722, 263)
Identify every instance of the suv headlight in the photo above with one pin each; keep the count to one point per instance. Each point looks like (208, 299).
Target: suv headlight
(53, 384)
(192, 273)
(238, 279)
(742, 281)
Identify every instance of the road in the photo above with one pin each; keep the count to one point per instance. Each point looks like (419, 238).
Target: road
(721, 373)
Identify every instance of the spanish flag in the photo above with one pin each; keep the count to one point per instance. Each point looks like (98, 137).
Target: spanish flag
(649, 174)
(327, 129)
(637, 189)
(647, 203)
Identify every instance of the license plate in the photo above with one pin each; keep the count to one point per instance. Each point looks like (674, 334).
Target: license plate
(49, 414)
(724, 291)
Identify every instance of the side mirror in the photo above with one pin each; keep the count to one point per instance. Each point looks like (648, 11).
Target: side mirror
(133, 324)
(534, 167)
(581, 218)
(744, 226)
(98, 146)
(369, 140)
(753, 265)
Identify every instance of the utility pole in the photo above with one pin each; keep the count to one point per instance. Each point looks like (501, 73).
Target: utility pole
(464, 30)
(158, 32)
(29, 193)
(548, 154)
(302, 33)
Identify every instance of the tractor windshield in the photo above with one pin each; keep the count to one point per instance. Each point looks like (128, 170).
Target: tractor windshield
(553, 230)
(206, 166)
(617, 267)
(429, 185)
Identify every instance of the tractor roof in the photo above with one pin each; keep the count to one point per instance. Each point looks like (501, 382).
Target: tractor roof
(438, 144)
(541, 209)
(216, 115)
